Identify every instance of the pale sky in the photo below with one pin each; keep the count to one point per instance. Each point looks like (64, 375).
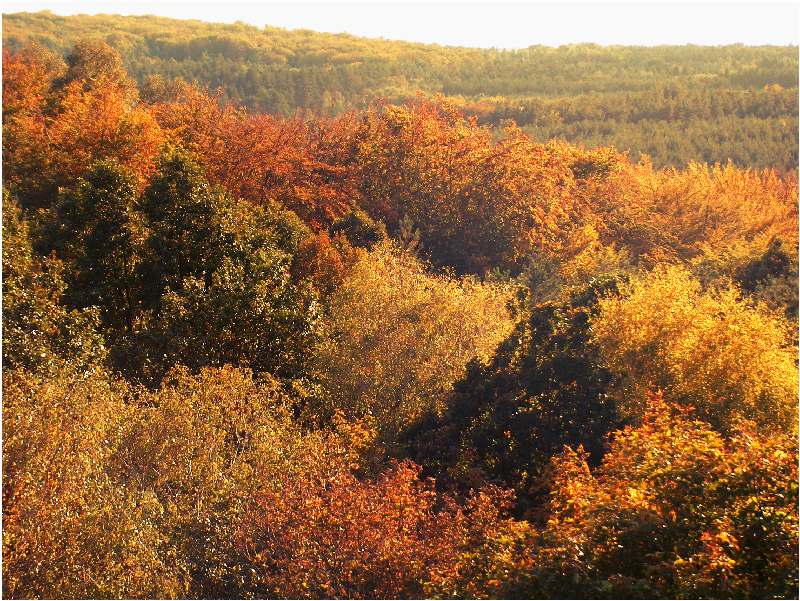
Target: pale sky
(513, 24)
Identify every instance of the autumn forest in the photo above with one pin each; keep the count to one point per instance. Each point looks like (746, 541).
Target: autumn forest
(301, 315)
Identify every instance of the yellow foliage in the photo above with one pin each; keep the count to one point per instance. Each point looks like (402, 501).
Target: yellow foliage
(400, 337)
(710, 350)
(69, 529)
(719, 204)
(111, 491)
(672, 214)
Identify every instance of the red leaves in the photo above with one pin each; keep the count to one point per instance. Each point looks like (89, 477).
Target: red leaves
(342, 537)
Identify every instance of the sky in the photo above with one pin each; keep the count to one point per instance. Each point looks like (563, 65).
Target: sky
(503, 24)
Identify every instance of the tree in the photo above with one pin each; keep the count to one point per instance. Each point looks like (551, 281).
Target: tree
(217, 280)
(323, 262)
(39, 332)
(773, 277)
(55, 134)
(301, 164)
(101, 123)
(91, 61)
(199, 449)
(27, 78)
(398, 337)
(544, 387)
(184, 212)
(710, 350)
(359, 229)
(105, 245)
(478, 204)
(386, 538)
(248, 313)
(674, 511)
(69, 528)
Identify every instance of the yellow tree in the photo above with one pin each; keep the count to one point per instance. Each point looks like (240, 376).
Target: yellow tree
(399, 337)
(707, 349)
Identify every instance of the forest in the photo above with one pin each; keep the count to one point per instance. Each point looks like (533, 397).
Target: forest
(397, 351)
(673, 103)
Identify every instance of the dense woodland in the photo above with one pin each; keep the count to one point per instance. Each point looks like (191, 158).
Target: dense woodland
(674, 103)
(392, 353)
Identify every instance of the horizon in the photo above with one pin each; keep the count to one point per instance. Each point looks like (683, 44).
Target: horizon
(478, 25)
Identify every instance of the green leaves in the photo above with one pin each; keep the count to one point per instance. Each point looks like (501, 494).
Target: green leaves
(105, 245)
(184, 274)
(39, 332)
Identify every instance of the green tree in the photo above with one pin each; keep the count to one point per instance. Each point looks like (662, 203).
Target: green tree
(187, 235)
(39, 332)
(359, 229)
(773, 277)
(249, 313)
(218, 283)
(104, 240)
(545, 387)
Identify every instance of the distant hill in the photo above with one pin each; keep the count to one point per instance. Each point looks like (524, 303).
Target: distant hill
(675, 103)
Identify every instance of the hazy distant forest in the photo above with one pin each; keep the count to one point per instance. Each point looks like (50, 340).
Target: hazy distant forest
(275, 325)
(675, 104)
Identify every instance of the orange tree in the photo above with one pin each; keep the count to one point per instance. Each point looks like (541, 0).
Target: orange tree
(337, 537)
(674, 511)
(264, 159)
(57, 128)
(478, 204)
(27, 78)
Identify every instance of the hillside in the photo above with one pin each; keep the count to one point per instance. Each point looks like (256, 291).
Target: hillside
(391, 354)
(674, 103)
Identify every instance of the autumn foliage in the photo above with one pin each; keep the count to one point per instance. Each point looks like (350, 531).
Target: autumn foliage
(394, 353)
(56, 128)
(675, 510)
(303, 165)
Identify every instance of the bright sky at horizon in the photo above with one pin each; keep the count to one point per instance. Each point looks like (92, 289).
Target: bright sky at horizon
(506, 24)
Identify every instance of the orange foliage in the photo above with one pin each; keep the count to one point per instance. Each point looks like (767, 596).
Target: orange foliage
(324, 261)
(53, 135)
(478, 204)
(716, 205)
(27, 75)
(338, 537)
(26, 82)
(263, 158)
(100, 123)
(675, 510)
(212, 485)
(673, 214)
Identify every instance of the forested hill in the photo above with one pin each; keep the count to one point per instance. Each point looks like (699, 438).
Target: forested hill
(675, 103)
(393, 354)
